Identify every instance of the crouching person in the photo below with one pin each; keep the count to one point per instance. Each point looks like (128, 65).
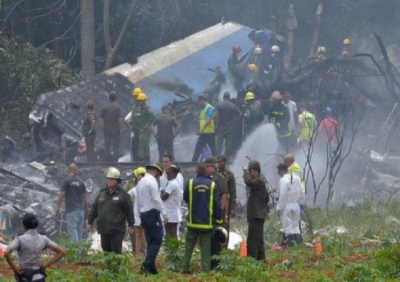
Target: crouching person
(202, 197)
(29, 246)
(291, 202)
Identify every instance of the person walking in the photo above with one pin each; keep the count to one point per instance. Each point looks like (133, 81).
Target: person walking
(204, 210)
(291, 203)
(279, 117)
(73, 190)
(29, 246)
(111, 121)
(141, 125)
(226, 114)
(112, 209)
(256, 210)
(149, 207)
(172, 199)
(167, 130)
(206, 130)
(89, 132)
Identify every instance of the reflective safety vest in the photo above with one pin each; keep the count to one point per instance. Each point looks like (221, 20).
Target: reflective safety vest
(203, 118)
(308, 124)
(203, 219)
(296, 169)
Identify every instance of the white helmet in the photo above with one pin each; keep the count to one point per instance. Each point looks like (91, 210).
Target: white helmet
(321, 49)
(221, 234)
(113, 173)
(275, 48)
(257, 49)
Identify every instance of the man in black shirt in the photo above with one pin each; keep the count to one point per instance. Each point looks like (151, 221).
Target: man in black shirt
(73, 190)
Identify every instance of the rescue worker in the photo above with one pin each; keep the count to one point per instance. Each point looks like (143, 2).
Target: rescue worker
(222, 187)
(279, 117)
(260, 60)
(253, 115)
(215, 86)
(172, 199)
(294, 167)
(127, 121)
(167, 130)
(257, 204)
(89, 132)
(138, 244)
(291, 202)
(150, 208)
(307, 123)
(329, 128)
(230, 178)
(346, 49)
(206, 130)
(226, 114)
(29, 246)
(111, 123)
(112, 209)
(274, 63)
(234, 66)
(141, 125)
(73, 190)
(294, 117)
(204, 210)
(321, 53)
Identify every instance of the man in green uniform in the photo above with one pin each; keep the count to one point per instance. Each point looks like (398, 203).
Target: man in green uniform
(256, 210)
(141, 124)
(111, 122)
(89, 132)
(112, 209)
(222, 186)
(253, 115)
(166, 134)
(230, 178)
(204, 209)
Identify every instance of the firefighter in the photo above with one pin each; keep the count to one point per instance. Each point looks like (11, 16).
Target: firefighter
(204, 208)
(279, 117)
(346, 49)
(274, 62)
(253, 115)
(256, 209)
(141, 124)
(321, 53)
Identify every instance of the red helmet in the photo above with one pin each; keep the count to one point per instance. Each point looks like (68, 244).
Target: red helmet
(236, 49)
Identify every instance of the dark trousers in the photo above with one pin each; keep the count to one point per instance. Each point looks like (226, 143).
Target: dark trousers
(205, 247)
(90, 153)
(111, 144)
(284, 145)
(216, 248)
(203, 140)
(171, 230)
(135, 145)
(224, 136)
(112, 242)
(165, 147)
(255, 239)
(152, 225)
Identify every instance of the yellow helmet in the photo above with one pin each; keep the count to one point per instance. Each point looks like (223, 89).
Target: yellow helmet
(142, 97)
(253, 67)
(345, 53)
(139, 170)
(249, 96)
(137, 91)
(347, 42)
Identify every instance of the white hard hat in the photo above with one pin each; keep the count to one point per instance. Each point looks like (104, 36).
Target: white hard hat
(275, 48)
(257, 49)
(221, 234)
(321, 49)
(113, 173)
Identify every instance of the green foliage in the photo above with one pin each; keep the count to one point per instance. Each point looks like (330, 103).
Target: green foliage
(388, 260)
(360, 272)
(78, 252)
(175, 252)
(242, 268)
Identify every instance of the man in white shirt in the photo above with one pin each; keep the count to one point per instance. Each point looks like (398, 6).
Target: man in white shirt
(294, 118)
(291, 203)
(133, 149)
(149, 206)
(166, 164)
(172, 198)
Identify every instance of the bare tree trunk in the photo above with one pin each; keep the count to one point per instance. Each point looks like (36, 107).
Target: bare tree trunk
(87, 38)
(317, 30)
(292, 25)
(112, 50)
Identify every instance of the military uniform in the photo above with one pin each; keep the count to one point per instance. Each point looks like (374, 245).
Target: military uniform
(253, 117)
(256, 214)
(90, 138)
(142, 122)
(165, 135)
(111, 115)
(222, 187)
(112, 211)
